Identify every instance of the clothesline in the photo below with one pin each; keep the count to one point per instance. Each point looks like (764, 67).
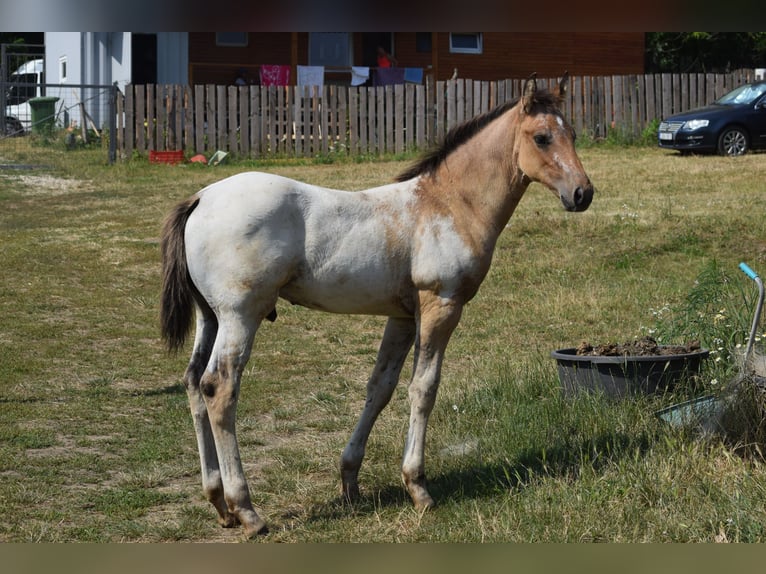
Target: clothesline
(279, 75)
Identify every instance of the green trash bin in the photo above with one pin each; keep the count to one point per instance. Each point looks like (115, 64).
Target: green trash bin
(43, 114)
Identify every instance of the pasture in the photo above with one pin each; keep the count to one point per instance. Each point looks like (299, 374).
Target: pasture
(96, 439)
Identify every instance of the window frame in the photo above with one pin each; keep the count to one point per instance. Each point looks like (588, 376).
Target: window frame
(477, 49)
(227, 39)
(63, 69)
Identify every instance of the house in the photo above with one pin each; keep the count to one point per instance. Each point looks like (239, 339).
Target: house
(84, 65)
(216, 57)
(84, 59)
(122, 57)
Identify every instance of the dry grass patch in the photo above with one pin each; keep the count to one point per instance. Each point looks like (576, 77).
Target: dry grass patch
(96, 441)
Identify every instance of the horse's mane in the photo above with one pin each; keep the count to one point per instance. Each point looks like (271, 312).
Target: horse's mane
(544, 101)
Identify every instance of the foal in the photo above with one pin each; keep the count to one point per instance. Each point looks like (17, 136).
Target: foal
(415, 251)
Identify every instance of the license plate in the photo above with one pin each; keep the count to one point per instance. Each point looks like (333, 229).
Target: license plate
(666, 136)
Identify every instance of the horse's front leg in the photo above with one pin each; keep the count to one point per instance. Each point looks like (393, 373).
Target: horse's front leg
(437, 319)
(220, 388)
(396, 343)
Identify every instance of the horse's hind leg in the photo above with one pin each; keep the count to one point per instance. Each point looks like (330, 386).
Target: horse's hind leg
(397, 342)
(220, 389)
(207, 327)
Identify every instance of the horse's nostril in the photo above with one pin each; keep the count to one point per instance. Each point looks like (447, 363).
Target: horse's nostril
(578, 196)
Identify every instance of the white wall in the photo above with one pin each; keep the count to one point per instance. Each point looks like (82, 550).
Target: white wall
(105, 57)
(60, 45)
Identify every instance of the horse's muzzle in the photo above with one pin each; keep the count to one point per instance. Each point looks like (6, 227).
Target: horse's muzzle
(580, 199)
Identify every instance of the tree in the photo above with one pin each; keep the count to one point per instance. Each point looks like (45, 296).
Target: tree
(704, 51)
(22, 37)
(18, 47)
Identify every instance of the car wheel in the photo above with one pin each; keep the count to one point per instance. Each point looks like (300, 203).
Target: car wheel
(733, 142)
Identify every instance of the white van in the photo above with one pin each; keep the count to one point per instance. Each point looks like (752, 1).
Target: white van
(25, 83)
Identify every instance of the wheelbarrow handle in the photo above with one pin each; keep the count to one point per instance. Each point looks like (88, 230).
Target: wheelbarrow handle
(749, 272)
(754, 276)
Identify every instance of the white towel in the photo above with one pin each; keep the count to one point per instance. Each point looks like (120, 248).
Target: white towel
(359, 75)
(310, 75)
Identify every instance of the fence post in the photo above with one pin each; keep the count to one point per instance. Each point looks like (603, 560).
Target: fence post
(113, 123)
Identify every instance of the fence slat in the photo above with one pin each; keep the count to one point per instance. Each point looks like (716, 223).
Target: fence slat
(420, 118)
(130, 122)
(256, 135)
(210, 118)
(342, 138)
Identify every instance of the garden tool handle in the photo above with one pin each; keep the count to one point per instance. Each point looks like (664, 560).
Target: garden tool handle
(754, 276)
(749, 272)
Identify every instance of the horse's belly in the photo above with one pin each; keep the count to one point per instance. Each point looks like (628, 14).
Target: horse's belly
(347, 298)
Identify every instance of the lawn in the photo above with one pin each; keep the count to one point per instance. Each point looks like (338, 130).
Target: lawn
(96, 440)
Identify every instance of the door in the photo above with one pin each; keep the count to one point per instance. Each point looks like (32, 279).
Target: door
(370, 43)
(143, 69)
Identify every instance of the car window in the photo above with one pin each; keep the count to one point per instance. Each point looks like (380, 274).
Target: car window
(743, 95)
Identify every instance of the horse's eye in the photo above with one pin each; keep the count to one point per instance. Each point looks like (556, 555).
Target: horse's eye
(542, 140)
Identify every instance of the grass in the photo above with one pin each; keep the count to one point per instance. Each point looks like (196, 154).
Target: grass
(96, 442)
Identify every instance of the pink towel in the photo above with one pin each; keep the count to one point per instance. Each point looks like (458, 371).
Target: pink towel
(275, 75)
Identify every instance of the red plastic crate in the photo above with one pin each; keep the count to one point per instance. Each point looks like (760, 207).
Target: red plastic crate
(172, 157)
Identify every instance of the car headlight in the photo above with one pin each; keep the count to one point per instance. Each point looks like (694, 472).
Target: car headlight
(692, 125)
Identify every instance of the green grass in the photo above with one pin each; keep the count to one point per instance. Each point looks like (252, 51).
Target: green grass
(96, 442)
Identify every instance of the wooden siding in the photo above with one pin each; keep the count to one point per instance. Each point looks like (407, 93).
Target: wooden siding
(505, 55)
(212, 64)
(517, 55)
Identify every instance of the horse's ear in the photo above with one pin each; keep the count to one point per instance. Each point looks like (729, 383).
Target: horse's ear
(528, 98)
(561, 90)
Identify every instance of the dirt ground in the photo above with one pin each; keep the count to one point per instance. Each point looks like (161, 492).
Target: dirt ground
(645, 346)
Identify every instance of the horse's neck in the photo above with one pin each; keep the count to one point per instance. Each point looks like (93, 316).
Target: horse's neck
(480, 182)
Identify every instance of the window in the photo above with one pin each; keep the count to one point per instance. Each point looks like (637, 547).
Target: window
(62, 69)
(423, 42)
(231, 38)
(465, 43)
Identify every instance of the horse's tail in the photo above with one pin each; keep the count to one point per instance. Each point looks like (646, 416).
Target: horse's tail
(178, 291)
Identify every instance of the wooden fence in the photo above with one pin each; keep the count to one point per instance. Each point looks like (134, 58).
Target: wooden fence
(259, 121)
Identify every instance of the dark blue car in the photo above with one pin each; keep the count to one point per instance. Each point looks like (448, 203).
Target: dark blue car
(730, 126)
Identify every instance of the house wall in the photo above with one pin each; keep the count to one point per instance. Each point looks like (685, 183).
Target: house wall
(62, 45)
(505, 55)
(211, 64)
(517, 55)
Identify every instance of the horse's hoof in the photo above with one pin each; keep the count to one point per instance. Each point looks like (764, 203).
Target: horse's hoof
(258, 529)
(424, 503)
(228, 521)
(350, 493)
(418, 493)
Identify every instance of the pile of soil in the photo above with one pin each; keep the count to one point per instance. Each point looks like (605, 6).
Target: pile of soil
(643, 347)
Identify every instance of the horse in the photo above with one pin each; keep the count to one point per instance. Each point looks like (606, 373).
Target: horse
(414, 250)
